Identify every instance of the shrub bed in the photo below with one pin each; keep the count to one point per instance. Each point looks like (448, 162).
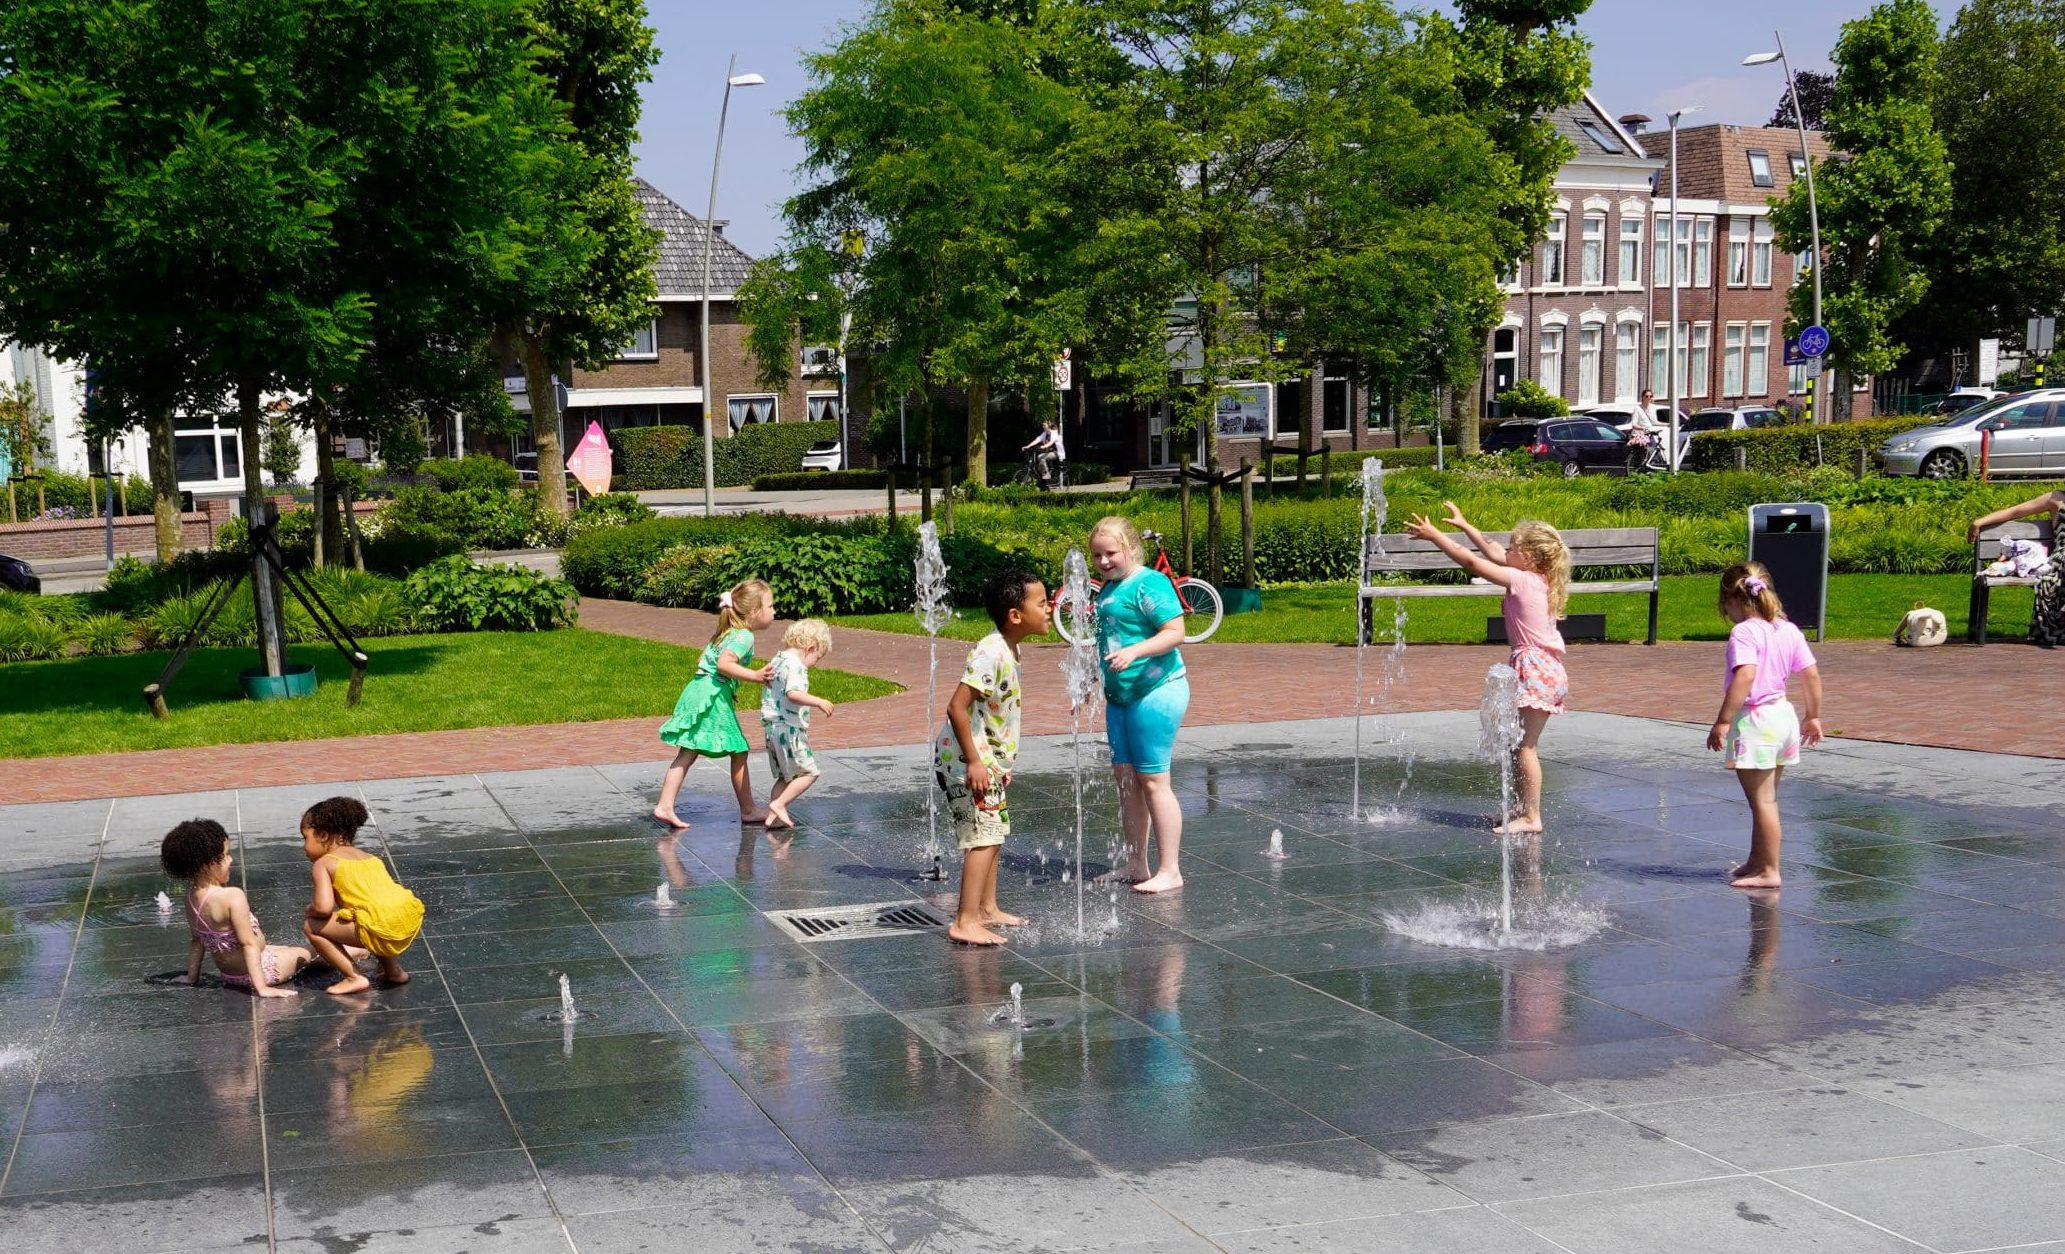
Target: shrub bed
(1783, 450)
(653, 458)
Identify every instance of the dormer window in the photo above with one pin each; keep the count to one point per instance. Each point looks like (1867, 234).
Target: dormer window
(1760, 167)
(1597, 134)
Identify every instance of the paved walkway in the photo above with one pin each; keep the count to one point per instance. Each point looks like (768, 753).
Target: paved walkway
(2005, 699)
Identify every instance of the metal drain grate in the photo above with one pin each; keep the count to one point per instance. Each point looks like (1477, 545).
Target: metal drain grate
(882, 918)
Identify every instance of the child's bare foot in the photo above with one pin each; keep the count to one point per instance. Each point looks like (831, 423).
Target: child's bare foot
(356, 954)
(670, 819)
(972, 934)
(778, 816)
(1760, 879)
(996, 917)
(1160, 882)
(1519, 827)
(350, 984)
(1132, 873)
(753, 820)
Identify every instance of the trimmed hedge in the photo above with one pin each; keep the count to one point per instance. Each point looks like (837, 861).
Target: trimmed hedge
(821, 480)
(1786, 450)
(614, 561)
(653, 458)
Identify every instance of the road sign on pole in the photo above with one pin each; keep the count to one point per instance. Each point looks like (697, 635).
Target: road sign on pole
(1064, 372)
(2041, 336)
(1814, 341)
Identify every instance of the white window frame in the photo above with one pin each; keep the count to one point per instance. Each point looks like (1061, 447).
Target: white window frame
(651, 352)
(1758, 368)
(1702, 252)
(1630, 250)
(1760, 177)
(1760, 252)
(1796, 379)
(813, 400)
(1797, 163)
(1592, 250)
(1700, 347)
(1627, 361)
(1734, 342)
(1551, 253)
(1591, 350)
(227, 444)
(774, 408)
(1549, 359)
(1659, 355)
(1738, 252)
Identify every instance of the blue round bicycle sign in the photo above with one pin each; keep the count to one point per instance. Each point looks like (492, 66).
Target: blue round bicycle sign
(1814, 341)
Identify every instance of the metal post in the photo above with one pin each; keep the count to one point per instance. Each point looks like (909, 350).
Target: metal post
(731, 79)
(1671, 361)
(845, 433)
(107, 467)
(1813, 209)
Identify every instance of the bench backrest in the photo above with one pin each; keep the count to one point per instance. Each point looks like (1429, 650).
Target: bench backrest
(2038, 529)
(1594, 546)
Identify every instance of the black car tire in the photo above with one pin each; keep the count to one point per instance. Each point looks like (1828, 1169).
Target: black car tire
(1943, 464)
(1572, 469)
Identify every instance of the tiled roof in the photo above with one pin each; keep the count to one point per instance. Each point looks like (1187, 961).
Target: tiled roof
(679, 269)
(1713, 161)
(1594, 133)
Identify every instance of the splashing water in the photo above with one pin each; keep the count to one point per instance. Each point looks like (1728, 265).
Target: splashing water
(567, 1013)
(1376, 509)
(932, 612)
(663, 899)
(1275, 851)
(1013, 1014)
(164, 904)
(1084, 678)
(1537, 925)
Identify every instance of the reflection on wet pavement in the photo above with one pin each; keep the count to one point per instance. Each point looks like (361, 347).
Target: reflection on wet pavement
(1870, 1059)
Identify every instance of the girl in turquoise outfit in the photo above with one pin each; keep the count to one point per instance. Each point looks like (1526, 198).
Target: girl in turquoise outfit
(706, 720)
(1139, 626)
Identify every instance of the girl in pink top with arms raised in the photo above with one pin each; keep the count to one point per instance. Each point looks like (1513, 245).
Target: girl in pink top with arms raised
(1757, 730)
(1534, 569)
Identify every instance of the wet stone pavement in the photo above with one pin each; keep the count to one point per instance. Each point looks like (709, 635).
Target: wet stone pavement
(1872, 1059)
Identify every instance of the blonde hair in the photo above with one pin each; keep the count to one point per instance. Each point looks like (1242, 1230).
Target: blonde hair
(745, 599)
(1762, 600)
(1122, 530)
(1548, 557)
(808, 633)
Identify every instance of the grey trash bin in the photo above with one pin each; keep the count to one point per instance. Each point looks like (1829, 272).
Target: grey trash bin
(1791, 540)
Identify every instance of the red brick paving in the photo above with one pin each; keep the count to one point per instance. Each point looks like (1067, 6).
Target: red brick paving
(2006, 698)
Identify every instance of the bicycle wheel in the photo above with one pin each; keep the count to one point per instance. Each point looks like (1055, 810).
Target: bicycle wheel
(1202, 609)
(1075, 623)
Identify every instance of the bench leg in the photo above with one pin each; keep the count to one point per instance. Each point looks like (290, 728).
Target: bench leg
(1652, 618)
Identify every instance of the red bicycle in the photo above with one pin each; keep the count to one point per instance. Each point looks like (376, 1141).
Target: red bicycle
(1202, 608)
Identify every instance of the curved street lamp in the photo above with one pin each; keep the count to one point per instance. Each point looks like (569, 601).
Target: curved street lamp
(731, 80)
(1792, 87)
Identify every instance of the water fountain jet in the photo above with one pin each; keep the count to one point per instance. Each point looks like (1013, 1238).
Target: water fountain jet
(932, 612)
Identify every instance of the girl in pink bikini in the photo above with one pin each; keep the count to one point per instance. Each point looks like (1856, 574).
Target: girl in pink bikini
(219, 916)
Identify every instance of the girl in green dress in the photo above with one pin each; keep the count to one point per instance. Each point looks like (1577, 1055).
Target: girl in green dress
(705, 720)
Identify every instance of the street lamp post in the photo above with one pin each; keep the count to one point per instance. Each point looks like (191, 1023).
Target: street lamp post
(1792, 87)
(1671, 365)
(731, 80)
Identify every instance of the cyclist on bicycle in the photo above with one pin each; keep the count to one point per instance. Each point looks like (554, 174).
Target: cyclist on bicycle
(1043, 454)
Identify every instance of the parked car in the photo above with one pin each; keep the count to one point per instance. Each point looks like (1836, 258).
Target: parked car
(17, 575)
(1622, 416)
(1960, 401)
(823, 455)
(1577, 444)
(2024, 433)
(1743, 419)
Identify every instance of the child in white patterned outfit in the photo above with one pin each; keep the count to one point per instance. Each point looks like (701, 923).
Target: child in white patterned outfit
(974, 753)
(785, 706)
(1757, 730)
(1533, 566)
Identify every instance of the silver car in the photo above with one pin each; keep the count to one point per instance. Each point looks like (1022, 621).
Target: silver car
(2024, 435)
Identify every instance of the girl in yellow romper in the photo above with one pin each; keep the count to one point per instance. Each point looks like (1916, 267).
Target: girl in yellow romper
(356, 901)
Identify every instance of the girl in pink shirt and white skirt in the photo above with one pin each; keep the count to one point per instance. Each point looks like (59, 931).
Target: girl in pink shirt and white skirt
(1534, 569)
(1757, 731)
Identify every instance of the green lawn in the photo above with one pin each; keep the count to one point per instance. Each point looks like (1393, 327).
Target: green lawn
(1860, 607)
(414, 683)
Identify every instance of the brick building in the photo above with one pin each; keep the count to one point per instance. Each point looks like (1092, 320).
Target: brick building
(657, 378)
(1732, 303)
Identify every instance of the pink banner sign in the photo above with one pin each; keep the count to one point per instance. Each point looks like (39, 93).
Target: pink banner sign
(590, 461)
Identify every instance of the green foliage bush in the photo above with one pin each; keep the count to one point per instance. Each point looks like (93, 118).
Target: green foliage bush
(28, 638)
(690, 576)
(82, 496)
(104, 634)
(453, 594)
(1787, 450)
(1528, 399)
(397, 548)
(475, 470)
(614, 561)
(612, 509)
(653, 458)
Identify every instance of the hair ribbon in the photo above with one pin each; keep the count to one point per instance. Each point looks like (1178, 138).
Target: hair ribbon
(1754, 585)
(724, 601)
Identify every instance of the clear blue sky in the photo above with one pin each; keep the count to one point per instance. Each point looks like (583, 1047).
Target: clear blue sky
(1649, 56)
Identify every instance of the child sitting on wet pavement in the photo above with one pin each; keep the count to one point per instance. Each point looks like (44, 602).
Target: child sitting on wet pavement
(218, 915)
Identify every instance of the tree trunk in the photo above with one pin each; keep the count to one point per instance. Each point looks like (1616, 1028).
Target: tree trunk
(265, 591)
(1463, 407)
(331, 524)
(544, 402)
(158, 450)
(978, 431)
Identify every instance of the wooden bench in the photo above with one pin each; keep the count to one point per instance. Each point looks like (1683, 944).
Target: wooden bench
(1155, 477)
(1590, 548)
(1988, 552)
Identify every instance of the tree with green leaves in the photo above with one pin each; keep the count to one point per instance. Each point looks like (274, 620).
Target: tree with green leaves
(1882, 196)
(580, 280)
(1999, 105)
